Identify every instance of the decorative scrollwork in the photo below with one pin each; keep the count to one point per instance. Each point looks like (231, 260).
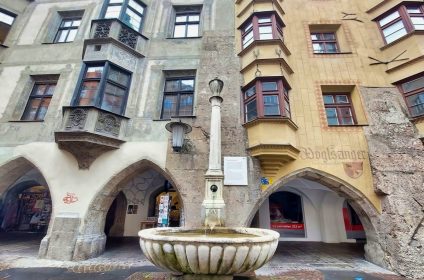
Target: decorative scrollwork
(128, 37)
(76, 119)
(102, 30)
(108, 124)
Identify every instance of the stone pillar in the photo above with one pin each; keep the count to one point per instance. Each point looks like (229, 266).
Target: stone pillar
(213, 204)
(397, 163)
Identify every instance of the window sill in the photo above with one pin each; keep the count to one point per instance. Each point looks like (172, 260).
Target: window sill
(26, 121)
(331, 54)
(415, 32)
(348, 125)
(183, 38)
(173, 118)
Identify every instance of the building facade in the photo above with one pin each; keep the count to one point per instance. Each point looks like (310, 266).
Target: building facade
(323, 99)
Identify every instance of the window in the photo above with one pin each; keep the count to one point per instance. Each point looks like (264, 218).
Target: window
(266, 98)
(104, 86)
(178, 97)
(187, 25)
(131, 12)
(324, 42)
(338, 108)
(67, 30)
(6, 21)
(413, 91)
(405, 19)
(261, 27)
(39, 100)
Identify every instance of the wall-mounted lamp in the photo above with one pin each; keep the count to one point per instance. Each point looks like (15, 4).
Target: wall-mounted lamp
(178, 129)
(216, 86)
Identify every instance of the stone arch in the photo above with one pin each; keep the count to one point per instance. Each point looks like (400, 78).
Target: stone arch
(91, 239)
(366, 211)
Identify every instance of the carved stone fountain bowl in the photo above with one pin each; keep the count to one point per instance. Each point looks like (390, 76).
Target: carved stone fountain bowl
(227, 251)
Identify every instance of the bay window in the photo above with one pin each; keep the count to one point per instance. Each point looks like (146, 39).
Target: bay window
(131, 12)
(413, 92)
(104, 86)
(401, 21)
(266, 97)
(261, 26)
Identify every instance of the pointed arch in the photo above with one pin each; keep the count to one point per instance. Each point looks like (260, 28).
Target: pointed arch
(91, 239)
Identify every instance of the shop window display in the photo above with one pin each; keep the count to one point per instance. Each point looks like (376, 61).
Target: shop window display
(28, 211)
(286, 214)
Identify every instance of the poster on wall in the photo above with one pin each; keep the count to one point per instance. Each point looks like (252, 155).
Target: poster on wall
(163, 218)
(235, 171)
(286, 214)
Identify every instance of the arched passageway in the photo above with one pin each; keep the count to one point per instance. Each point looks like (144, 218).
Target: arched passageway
(316, 211)
(141, 196)
(25, 207)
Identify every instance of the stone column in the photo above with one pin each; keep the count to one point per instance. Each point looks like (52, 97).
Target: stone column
(213, 204)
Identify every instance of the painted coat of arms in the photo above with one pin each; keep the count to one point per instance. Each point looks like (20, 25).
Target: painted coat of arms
(353, 169)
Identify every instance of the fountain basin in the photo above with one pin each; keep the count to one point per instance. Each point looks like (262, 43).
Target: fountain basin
(227, 251)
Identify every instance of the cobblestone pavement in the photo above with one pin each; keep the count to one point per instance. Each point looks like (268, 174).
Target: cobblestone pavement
(123, 260)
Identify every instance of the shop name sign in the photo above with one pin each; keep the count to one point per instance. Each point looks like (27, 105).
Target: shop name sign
(331, 154)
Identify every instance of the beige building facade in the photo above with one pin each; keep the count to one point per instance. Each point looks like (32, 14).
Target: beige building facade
(323, 99)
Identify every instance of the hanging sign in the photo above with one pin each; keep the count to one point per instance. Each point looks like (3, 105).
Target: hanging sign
(235, 171)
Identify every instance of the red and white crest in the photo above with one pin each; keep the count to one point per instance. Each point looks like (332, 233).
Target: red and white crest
(353, 169)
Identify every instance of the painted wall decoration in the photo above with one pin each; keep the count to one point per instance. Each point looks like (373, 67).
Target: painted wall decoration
(70, 198)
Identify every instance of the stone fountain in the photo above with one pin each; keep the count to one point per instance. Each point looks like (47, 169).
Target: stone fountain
(214, 251)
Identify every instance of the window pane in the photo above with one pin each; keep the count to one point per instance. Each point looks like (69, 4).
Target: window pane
(113, 98)
(249, 26)
(271, 105)
(115, 1)
(413, 10)
(181, 18)
(250, 92)
(6, 18)
(194, 18)
(71, 36)
(136, 6)
(61, 36)
(416, 104)
(88, 93)
(187, 84)
(67, 23)
(169, 106)
(251, 112)
(76, 23)
(265, 32)
(329, 36)
(193, 30)
(94, 72)
(43, 109)
(328, 99)
(314, 37)
(346, 115)
(342, 99)
(413, 85)
(418, 22)
(287, 108)
(331, 47)
(39, 89)
(113, 12)
(248, 39)
(264, 20)
(179, 31)
(133, 19)
(172, 85)
(269, 86)
(186, 105)
(119, 77)
(50, 90)
(389, 18)
(318, 47)
(31, 110)
(396, 35)
(332, 116)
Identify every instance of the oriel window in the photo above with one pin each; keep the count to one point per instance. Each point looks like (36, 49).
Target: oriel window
(131, 12)
(413, 91)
